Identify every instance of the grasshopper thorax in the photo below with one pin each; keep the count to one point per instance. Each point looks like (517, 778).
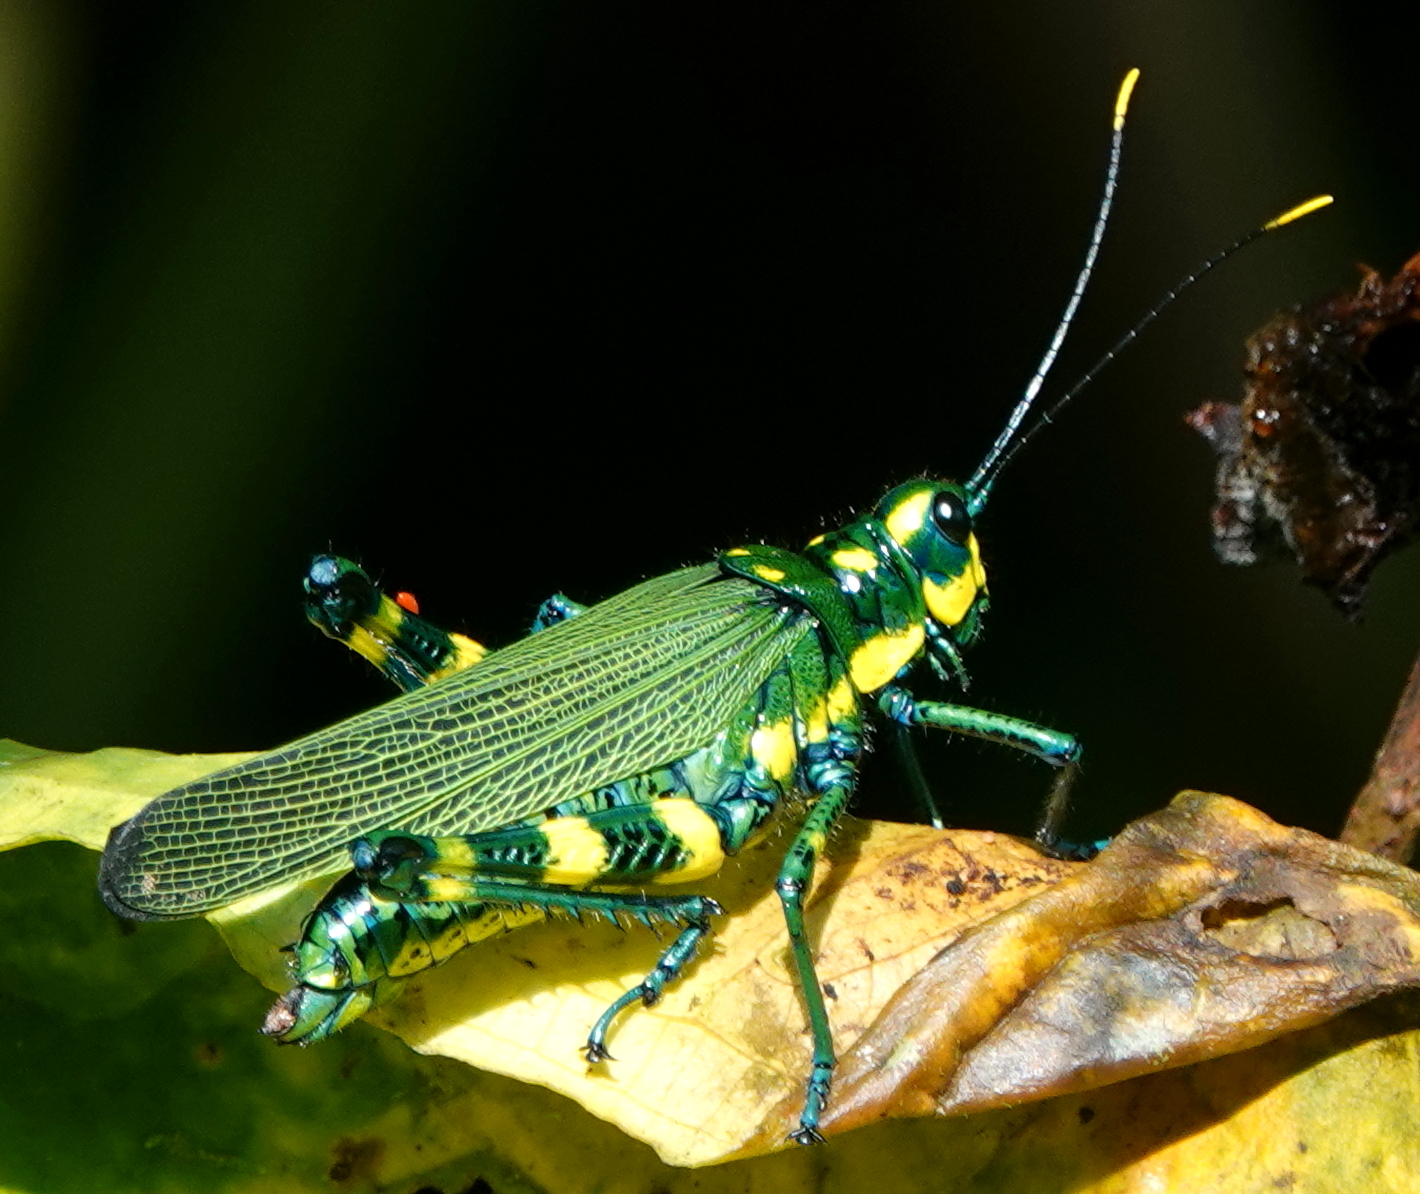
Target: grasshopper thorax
(908, 576)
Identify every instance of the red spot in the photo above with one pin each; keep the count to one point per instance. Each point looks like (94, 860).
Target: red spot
(407, 601)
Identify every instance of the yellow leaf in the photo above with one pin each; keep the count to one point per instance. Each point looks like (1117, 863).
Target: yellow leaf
(965, 974)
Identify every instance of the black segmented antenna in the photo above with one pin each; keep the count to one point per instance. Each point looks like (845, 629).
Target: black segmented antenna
(1012, 439)
(979, 487)
(1287, 217)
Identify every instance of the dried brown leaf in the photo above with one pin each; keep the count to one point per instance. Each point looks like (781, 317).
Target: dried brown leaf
(1320, 460)
(1202, 930)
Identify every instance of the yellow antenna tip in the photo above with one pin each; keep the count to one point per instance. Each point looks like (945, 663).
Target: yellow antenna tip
(1121, 102)
(1296, 213)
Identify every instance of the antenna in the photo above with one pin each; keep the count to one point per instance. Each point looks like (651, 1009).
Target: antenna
(979, 487)
(997, 459)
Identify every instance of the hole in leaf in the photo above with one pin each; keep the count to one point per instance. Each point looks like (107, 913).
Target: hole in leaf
(1277, 929)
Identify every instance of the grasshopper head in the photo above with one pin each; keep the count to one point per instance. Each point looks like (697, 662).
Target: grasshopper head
(931, 522)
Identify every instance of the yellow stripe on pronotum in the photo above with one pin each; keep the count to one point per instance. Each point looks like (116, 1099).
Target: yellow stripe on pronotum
(856, 559)
(881, 657)
(907, 519)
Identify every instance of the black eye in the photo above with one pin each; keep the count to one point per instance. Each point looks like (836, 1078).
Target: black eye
(951, 517)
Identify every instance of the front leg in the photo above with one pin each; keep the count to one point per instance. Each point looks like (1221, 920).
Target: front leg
(1053, 746)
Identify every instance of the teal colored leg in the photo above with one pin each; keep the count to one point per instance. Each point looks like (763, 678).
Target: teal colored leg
(1053, 746)
(636, 845)
(942, 648)
(1057, 805)
(794, 878)
(648, 991)
(692, 912)
(357, 944)
(916, 778)
(649, 910)
(945, 657)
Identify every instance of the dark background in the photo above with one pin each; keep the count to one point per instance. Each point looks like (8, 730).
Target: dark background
(438, 286)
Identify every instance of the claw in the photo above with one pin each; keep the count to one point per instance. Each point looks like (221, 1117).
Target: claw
(596, 1052)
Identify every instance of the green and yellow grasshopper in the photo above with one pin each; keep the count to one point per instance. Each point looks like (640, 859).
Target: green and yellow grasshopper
(617, 751)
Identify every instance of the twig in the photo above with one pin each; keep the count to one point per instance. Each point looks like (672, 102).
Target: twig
(1385, 816)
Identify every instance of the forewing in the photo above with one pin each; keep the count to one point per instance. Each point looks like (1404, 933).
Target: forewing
(635, 682)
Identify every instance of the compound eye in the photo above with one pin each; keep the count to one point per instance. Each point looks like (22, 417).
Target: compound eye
(951, 517)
